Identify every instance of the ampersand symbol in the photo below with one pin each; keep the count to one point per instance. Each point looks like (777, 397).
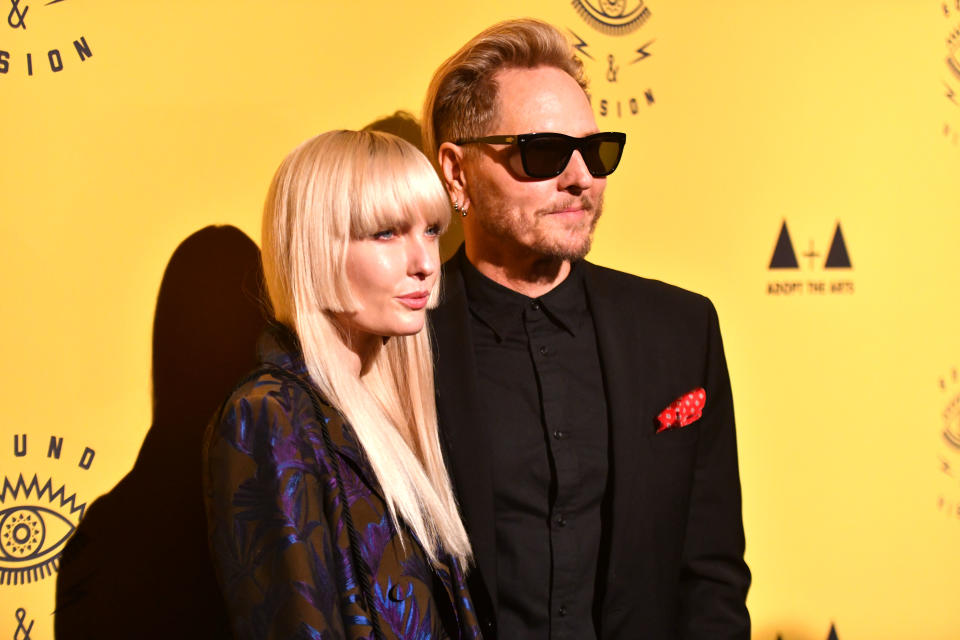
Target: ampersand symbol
(21, 615)
(612, 70)
(15, 17)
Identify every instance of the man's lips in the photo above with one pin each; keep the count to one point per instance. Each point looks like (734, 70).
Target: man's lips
(576, 208)
(569, 213)
(415, 300)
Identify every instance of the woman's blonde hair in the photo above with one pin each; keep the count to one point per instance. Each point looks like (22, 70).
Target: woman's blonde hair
(334, 187)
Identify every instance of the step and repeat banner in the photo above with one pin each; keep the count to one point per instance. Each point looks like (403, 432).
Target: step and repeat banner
(796, 162)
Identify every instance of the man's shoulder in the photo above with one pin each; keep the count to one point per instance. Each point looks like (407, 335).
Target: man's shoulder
(604, 284)
(629, 289)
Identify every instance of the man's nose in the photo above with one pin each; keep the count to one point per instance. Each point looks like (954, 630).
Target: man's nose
(575, 176)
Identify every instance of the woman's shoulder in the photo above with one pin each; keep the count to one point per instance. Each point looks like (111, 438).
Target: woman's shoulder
(268, 413)
(274, 409)
(275, 390)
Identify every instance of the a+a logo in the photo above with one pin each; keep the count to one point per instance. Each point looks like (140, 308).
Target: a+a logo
(784, 256)
(19, 17)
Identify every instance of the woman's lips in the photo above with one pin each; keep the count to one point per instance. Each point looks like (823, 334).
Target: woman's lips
(415, 301)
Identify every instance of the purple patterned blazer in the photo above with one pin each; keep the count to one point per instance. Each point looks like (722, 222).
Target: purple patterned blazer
(301, 538)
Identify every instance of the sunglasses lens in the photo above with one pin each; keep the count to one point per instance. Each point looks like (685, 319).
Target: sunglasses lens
(545, 157)
(602, 156)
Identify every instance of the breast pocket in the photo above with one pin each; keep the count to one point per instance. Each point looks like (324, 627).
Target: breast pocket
(675, 437)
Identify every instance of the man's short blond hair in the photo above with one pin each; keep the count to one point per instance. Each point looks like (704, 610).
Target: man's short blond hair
(462, 98)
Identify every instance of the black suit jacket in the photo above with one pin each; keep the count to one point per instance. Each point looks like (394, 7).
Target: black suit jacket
(671, 564)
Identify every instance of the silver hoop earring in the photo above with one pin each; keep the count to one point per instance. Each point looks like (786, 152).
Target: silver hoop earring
(461, 210)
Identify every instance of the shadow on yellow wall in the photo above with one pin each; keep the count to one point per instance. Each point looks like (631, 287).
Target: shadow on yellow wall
(138, 565)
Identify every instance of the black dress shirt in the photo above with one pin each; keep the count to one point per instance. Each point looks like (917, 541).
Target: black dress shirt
(540, 379)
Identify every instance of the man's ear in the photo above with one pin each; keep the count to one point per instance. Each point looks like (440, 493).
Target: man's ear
(451, 159)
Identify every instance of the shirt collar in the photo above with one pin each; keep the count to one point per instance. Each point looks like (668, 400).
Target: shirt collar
(280, 347)
(498, 307)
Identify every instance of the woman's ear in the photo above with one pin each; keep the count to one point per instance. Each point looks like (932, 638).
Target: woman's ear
(451, 159)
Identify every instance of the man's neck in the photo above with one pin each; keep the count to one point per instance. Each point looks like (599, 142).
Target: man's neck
(532, 276)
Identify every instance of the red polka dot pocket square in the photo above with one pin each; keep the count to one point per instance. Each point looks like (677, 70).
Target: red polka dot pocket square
(682, 411)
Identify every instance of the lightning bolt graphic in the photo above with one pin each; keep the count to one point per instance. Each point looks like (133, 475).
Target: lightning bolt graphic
(954, 66)
(642, 53)
(580, 45)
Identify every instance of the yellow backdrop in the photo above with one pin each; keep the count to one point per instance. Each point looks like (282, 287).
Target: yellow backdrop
(128, 127)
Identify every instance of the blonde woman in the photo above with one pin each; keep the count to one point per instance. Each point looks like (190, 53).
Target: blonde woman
(330, 513)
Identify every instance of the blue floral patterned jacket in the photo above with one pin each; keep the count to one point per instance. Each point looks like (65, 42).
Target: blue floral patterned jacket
(283, 501)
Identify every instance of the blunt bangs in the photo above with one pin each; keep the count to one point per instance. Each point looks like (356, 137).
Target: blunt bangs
(396, 188)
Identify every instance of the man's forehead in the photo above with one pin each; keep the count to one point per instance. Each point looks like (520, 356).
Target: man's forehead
(541, 99)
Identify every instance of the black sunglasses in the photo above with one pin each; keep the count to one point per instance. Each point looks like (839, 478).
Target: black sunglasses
(545, 155)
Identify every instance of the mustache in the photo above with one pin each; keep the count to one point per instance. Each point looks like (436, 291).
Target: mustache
(583, 202)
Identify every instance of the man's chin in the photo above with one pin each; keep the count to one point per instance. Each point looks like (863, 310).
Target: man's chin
(567, 250)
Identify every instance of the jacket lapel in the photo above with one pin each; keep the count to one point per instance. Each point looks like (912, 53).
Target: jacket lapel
(460, 412)
(620, 329)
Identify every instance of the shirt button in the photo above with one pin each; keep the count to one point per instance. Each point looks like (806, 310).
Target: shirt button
(535, 305)
(559, 435)
(543, 351)
(561, 520)
(562, 611)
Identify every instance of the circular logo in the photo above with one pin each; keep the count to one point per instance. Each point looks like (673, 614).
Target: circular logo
(616, 17)
(951, 79)
(951, 427)
(21, 533)
(949, 456)
(36, 520)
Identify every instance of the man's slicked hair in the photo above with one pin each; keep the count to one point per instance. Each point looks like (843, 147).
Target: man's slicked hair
(462, 98)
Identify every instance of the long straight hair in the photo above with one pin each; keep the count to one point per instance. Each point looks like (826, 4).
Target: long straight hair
(332, 188)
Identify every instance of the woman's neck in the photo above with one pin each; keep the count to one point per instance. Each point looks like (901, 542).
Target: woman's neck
(358, 350)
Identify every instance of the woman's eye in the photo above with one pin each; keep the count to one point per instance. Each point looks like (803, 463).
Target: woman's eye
(433, 230)
(386, 234)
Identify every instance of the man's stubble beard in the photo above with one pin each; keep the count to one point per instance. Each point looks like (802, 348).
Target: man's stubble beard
(500, 223)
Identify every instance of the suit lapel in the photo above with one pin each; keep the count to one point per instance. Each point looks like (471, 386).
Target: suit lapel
(463, 431)
(620, 326)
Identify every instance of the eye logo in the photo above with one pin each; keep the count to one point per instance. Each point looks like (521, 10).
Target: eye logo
(611, 59)
(951, 429)
(951, 75)
(949, 456)
(616, 17)
(32, 536)
(23, 531)
(951, 414)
